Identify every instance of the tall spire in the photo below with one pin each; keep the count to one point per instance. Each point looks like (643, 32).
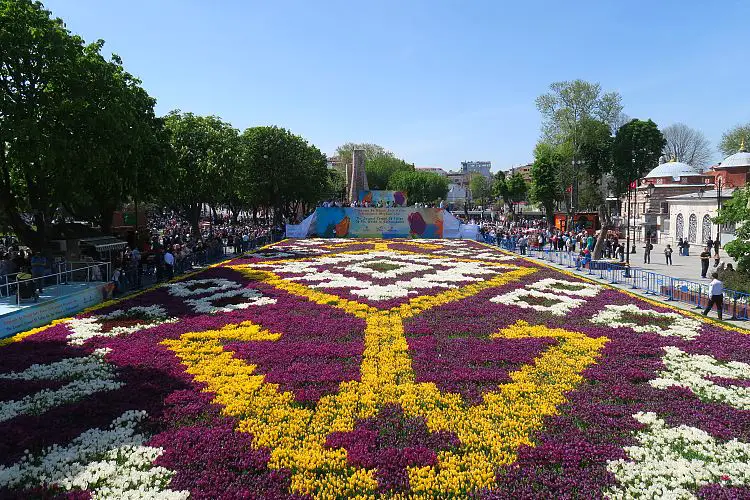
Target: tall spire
(742, 146)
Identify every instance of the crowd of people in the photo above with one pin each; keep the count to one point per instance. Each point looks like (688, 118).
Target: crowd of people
(523, 235)
(172, 247)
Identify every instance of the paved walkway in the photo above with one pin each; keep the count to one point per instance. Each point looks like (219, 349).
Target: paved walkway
(684, 267)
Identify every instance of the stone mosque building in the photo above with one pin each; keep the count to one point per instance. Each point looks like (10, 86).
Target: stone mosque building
(676, 200)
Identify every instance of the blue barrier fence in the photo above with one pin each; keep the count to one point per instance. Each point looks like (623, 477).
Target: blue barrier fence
(736, 304)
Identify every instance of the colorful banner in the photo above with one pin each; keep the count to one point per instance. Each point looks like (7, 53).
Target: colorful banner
(386, 198)
(399, 222)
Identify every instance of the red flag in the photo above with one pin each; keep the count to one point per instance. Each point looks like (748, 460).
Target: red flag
(633, 184)
(569, 189)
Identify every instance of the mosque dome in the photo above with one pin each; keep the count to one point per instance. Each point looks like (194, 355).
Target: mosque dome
(739, 159)
(674, 169)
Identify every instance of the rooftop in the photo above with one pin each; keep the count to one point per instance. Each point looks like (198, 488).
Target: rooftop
(674, 169)
(739, 159)
(711, 194)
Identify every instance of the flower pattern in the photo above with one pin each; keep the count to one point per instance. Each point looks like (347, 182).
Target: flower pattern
(377, 368)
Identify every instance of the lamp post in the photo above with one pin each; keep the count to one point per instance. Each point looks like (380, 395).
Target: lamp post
(574, 189)
(718, 207)
(627, 238)
(649, 193)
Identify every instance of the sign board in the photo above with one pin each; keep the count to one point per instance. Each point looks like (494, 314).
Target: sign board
(398, 222)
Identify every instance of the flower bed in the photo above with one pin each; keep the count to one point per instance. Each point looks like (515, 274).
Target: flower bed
(366, 368)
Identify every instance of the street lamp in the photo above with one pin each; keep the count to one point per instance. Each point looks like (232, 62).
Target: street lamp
(650, 189)
(718, 207)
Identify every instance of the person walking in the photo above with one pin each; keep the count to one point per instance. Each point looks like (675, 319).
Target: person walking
(705, 258)
(716, 294)
(668, 255)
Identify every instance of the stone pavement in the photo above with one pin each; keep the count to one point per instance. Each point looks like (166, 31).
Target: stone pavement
(684, 267)
(688, 268)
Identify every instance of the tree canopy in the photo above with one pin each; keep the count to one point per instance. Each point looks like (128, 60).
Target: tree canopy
(381, 168)
(635, 151)
(733, 138)
(73, 125)
(568, 103)
(687, 145)
(344, 152)
(737, 211)
(545, 188)
(420, 186)
(481, 188)
(511, 188)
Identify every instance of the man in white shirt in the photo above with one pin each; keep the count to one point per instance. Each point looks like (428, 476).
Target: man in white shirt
(716, 295)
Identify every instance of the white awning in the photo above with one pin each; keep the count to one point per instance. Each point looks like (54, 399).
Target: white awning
(103, 243)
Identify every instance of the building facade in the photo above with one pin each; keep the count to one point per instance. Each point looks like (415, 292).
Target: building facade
(476, 167)
(691, 217)
(524, 170)
(434, 170)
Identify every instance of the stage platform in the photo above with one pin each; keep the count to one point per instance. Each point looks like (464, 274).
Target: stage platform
(57, 301)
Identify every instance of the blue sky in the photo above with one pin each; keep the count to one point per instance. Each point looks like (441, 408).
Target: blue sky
(436, 82)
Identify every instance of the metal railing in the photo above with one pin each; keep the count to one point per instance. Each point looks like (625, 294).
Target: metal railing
(72, 272)
(736, 304)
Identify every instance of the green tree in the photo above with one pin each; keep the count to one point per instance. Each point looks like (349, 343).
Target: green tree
(37, 90)
(568, 103)
(119, 146)
(545, 188)
(518, 189)
(635, 151)
(733, 139)
(287, 172)
(344, 152)
(202, 156)
(481, 188)
(380, 168)
(595, 152)
(420, 186)
(737, 211)
(510, 188)
(500, 187)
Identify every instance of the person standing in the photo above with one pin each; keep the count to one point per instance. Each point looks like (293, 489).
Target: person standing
(716, 295)
(668, 255)
(681, 247)
(705, 258)
(38, 269)
(647, 251)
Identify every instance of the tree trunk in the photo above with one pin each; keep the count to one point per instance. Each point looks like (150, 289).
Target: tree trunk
(606, 224)
(194, 215)
(105, 220)
(549, 214)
